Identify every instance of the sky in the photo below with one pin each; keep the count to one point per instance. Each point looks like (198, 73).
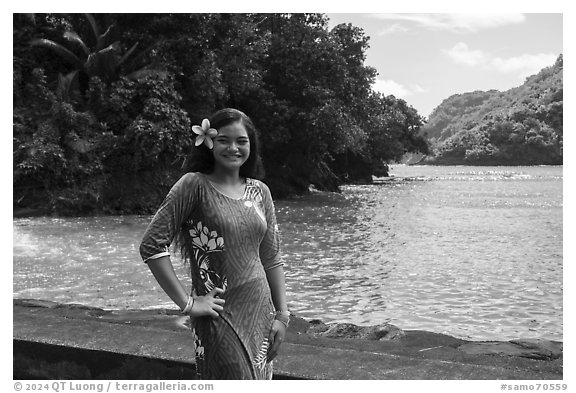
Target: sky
(426, 58)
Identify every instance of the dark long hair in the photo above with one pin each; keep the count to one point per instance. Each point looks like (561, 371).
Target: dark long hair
(202, 159)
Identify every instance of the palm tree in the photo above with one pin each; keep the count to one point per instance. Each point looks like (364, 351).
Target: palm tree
(102, 60)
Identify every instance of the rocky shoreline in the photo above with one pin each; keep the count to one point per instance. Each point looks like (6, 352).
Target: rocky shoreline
(427, 353)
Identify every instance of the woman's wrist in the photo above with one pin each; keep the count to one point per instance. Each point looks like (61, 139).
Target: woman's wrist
(283, 317)
(188, 307)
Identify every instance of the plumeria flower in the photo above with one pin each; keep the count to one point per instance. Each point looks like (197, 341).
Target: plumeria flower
(205, 134)
(205, 240)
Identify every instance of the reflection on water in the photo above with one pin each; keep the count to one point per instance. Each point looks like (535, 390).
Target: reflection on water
(475, 253)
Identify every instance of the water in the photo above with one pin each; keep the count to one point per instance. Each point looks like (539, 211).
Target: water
(474, 252)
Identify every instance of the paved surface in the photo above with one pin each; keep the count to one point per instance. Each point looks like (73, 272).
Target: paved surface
(164, 335)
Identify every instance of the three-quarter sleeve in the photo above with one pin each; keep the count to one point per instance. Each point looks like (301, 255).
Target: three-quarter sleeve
(168, 220)
(270, 245)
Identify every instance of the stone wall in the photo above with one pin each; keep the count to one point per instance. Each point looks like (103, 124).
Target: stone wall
(56, 341)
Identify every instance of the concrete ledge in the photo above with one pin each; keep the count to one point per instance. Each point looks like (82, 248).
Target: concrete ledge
(55, 341)
(37, 360)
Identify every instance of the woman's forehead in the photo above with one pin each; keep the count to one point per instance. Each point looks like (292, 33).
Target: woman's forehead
(235, 129)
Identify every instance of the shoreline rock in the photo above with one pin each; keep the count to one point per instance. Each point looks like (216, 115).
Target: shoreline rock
(348, 330)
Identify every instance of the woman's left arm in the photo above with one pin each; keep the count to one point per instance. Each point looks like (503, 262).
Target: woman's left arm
(277, 284)
(270, 255)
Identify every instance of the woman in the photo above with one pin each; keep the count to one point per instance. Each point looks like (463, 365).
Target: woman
(223, 220)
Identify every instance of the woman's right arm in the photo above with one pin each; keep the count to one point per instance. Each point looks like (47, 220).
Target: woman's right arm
(163, 271)
(160, 233)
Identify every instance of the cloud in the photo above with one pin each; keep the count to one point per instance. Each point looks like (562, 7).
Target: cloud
(456, 22)
(392, 29)
(388, 86)
(461, 54)
(523, 65)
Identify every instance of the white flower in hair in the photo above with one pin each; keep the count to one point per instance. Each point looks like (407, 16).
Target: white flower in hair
(205, 134)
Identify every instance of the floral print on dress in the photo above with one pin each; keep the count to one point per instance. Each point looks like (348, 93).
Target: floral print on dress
(205, 242)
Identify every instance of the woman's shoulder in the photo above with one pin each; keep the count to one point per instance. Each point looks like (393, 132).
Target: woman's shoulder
(190, 179)
(258, 183)
(192, 176)
(263, 189)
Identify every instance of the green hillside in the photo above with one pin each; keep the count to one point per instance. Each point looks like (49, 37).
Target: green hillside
(521, 126)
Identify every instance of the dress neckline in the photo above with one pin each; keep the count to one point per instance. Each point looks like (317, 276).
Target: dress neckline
(213, 186)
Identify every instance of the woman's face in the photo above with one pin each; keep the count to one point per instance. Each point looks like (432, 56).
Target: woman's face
(231, 146)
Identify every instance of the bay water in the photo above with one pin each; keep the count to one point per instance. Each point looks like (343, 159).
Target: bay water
(473, 252)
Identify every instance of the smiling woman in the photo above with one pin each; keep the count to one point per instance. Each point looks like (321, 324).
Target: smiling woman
(223, 220)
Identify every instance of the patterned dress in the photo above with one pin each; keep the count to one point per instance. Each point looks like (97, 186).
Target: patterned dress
(230, 243)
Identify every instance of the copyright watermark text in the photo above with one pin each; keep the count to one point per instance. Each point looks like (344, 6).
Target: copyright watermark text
(533, 386)
(109, 386)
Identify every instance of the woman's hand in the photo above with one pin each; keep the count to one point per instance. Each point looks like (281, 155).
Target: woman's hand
(275, 338)
(208, 305)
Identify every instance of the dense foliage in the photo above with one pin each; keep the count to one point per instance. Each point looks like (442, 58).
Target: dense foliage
(521, 126)
(103, 104)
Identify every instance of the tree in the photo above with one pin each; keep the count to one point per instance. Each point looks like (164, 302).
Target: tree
(306, 88)
(315, 79)
(101, 58)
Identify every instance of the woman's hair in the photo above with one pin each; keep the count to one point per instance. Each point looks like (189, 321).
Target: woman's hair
(202, 159)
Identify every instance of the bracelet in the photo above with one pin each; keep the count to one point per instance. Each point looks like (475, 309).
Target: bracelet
(283, 323)
(283, 316)
(189, 305)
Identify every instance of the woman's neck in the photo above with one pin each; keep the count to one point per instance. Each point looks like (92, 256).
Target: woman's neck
(231, 178)
(228, 183)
